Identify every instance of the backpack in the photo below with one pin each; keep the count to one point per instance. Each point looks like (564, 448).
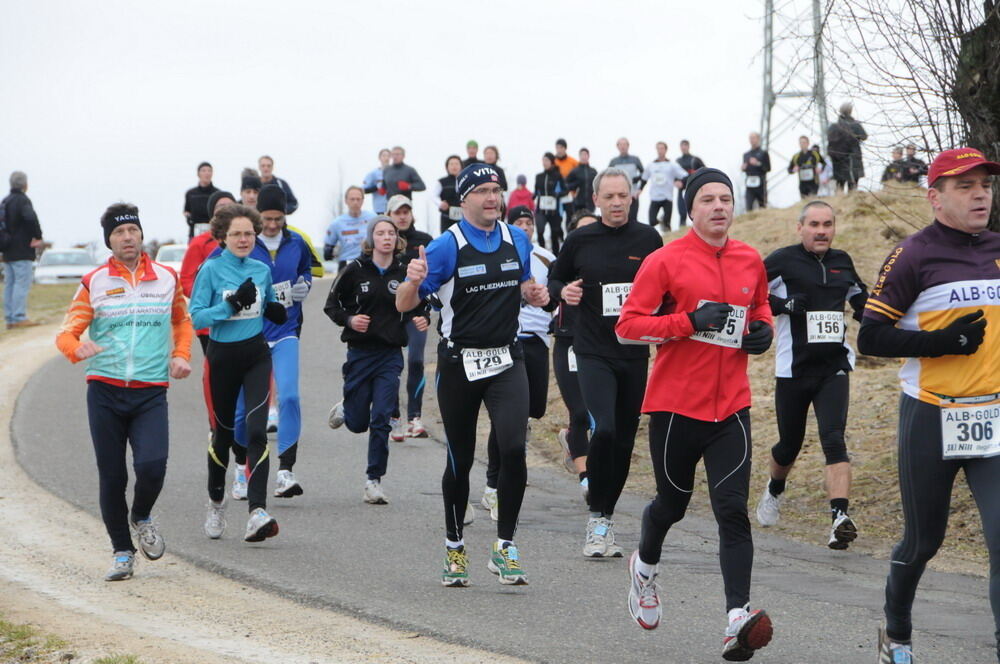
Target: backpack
(5, 238)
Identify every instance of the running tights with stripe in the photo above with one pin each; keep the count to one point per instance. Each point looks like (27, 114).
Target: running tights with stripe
(569, 388)
(285, 365)
(613, 390)
(676, 444)
(829, 396)
(925, 484)
(415, 380)
(506, 398)
(240, 365)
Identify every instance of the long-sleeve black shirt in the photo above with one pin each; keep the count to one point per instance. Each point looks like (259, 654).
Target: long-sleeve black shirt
(22, 224)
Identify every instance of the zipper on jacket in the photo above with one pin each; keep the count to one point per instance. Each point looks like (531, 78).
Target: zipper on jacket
(718, 380)
(130, 362)
(822, 267)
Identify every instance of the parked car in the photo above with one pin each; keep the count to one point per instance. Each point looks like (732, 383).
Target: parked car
(171, 255)
(60, 266)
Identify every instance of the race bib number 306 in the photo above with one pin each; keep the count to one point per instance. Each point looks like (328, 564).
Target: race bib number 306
(970, 431)
(731, 334)
(482, 363)
(613, 296)
(825, 326)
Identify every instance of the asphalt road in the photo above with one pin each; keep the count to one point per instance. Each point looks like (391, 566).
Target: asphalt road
(382, 563)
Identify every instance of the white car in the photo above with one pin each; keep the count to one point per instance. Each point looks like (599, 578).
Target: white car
(171, 255)
(60, 266)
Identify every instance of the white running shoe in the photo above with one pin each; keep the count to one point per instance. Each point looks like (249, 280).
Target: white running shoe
(336, 417)
(768, 509)
(747, 631)
(215, 520)
(416, 429)
(613, 550)
(150, 541)
(397, 434)
(563, 438)
(489, 502)
(239, 490)
(843, 532)
(272, 420)
(286, 486)
(596, 545)
(122, 566)
(470, 515)
(374, 494)
(260, 526)
(643, 599)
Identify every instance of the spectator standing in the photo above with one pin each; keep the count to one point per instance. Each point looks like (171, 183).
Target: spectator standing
(914, 166)
(19, 255)
(894, 170)
(196, 201)
(808, 164)
(756, 165)
(401, 178)
(580, 183)
(689, 163)
(267, 176)
(844, 139)
(633, 168)
(374, 182)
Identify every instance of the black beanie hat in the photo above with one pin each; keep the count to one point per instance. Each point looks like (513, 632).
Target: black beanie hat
(109, 224)
(214, 199)
(698, 179)
(474, 175)
(271, 197)
(519, 211)
(250, 182)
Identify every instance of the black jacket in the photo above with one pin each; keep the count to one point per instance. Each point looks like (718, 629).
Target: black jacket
(362, 289)
(581, 180)
(22, 224)
(414, 239)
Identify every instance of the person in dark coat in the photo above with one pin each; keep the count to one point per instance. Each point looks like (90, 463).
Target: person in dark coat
(844, 138)
(19, 255)
(549, 188)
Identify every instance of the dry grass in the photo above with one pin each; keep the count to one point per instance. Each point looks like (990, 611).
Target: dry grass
(46, 303)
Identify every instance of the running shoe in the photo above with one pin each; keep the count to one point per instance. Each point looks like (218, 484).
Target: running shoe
(239, 490)
(456, 568)
(286, 486)
(416, 429)
(506, 564)
(470, 515)
(489, 502)
(215, 520)
(397, 434)
(843, 532)
(336, 417)
(563, 438)
(260, 526)
(643, 598)
(747, 631)
(122, 566)
(613, 550)
(272, 420)
(374, 494)
(891, 652)
(150, 541)
(768, 509)
(585, 489)
(596, 545)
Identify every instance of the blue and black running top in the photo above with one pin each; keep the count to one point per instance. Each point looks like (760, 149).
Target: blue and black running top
(477, 276)
(218, 277)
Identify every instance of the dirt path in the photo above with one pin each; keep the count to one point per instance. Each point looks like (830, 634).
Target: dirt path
(53, 559)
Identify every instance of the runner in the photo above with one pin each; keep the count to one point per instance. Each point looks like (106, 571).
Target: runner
(703, 299)
(565, 164)
(348, 230)
(549, 189)
(491, 155)
(756, 165)
(521, 194)
(375, 182)
(232, 293)
(575, 439)
(363, 302)
(533, 336)
(267, 176)
(134, 309)
(401, 212)
(401, 178)
(633, 169)
(936, 303)
(666, 176)
(250, 185)
(808, 164)
(580, 182)
(595, 272)
(689, 163)
(196, 201)
(446, 195)
(480, 269)
(810, 282)
(286, 253)
(471, 153)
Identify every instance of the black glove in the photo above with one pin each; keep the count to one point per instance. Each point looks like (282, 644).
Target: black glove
(244, 296)
(758, 339)
(710, 317)
(962, 337)
(791, 305)
(276, 313)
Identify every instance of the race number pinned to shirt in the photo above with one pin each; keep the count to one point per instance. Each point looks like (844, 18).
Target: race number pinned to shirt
(613, 297)
(482, 363)
(659, 179)
(731, 334)
(825, 327)
(753, 181)
(455, 213)
(283, 293)
(970, 431)
(252, 311)
(547, 203)
(571, 358)
(806, 174)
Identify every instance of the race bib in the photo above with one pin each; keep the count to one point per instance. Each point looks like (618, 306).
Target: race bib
(970, 431)
(731, 334)
(482, 363)
(571, 358)
(253, 311)
(825, 327)
(753, 181)
(283, 293)
(547, 203)
(455, 213)
(567, 199)
(806, 174)
(613, 297)
(660, 179)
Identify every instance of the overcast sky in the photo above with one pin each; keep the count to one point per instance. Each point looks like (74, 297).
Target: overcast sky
(111, 100)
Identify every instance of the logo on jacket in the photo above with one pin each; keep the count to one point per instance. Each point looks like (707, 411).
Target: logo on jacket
(393, 285)
(364, 286)
(509, 265)
(115, 291)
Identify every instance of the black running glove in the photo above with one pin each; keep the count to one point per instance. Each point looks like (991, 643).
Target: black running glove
(791, 305)
(276, 313)
(758, 339)
(710, 317)
(962, 337)
(243, 296)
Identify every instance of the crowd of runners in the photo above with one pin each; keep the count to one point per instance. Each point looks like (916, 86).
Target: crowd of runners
(603, 292)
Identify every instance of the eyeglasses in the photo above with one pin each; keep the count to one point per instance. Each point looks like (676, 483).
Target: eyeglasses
(240, 234)
(493, 191)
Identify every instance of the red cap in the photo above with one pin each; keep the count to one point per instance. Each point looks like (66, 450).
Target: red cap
(958, 161)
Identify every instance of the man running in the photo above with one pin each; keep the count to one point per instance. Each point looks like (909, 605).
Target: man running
(348, 230)
(810, 282)
(196, 201)
(665, 176)
(375, 182)
(267, 176)
(135, 311)
(703, 299)
(401, 178)
(632, 166)
(689, 163)
(595, 272)
(807, 164)
(756, 165)
(580, 182)
(937, 303)
(480, 269)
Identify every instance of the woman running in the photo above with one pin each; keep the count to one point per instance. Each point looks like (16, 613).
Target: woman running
(549, 188)
(446, 193)
(232, 295)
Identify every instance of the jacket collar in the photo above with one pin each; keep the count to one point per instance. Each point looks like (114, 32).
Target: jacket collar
(143, 272)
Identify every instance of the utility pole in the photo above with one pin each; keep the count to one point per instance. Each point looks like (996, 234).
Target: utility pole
(819, 87)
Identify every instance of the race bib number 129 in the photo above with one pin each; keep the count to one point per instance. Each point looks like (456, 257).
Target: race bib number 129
(485, 362)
